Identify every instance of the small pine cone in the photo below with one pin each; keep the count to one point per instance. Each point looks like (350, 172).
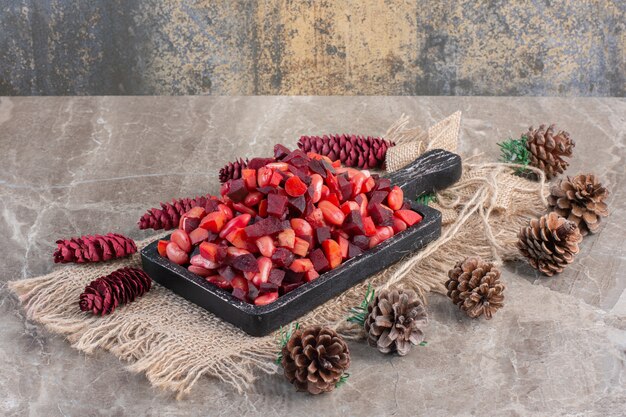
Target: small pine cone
(104, 294)
(547, 149)
(474, 285)
(581, 200)
(550, 243)
(352, 150)
(232, 170)
(94, 248)
(168, 216)
(395, 321)
(314, 359)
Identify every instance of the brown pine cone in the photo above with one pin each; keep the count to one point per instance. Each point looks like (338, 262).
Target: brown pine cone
(395, 321)
(550, 243)
(94, 248)
(581, 200)
(352, 150)
(474, 285)
(104, 294)
(168, 216)
(232, 170)
(314, 359)
(547, 149)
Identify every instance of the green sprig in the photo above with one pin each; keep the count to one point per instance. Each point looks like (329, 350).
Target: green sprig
(342, 380)
(515, 151)
(359, 314)
(426, 199)
(285, 334)
(423, 343)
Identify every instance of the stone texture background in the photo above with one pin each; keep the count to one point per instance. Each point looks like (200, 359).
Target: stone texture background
(343, 47)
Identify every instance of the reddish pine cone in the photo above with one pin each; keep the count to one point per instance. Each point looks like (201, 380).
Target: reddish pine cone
(352, 150)
(94, 248)
(104, 294)
(232, 170)
(168, 216)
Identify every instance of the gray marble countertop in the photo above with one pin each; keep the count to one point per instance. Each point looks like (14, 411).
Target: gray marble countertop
(78, 165)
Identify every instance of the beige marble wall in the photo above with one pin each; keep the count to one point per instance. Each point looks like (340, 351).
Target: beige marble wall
(320, 47)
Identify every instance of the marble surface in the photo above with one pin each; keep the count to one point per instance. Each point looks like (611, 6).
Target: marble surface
(70, 166)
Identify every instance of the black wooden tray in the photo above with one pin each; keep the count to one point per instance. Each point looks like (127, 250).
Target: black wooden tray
(433, 170)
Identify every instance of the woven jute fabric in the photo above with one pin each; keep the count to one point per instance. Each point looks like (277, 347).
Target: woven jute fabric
(175, 343)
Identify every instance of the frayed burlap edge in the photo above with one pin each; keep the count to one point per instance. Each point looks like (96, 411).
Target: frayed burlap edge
(175, 343)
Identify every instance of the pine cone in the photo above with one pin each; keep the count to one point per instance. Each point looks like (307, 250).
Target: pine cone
(94, 248)
(395, 321)
(581, 200)
(232, 170)
(550, 243)
(474, 285)
(168, 216)
(104, 294)
(352, 150)
(314, 359)
(547, 149)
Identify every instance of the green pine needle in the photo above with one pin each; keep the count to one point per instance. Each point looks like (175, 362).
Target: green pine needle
(285, 335)
(359, 314)
(514, 151)
(426, 199)
(342, 380)
(423, 343)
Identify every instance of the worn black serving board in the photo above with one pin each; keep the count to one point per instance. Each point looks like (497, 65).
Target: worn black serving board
(434, 170)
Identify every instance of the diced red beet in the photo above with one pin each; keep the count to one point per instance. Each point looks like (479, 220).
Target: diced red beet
(383, 184)
(238, 190)
(245, 263)
(211, 205)
(406, 206)
(321, 234)
(345, 186)
(381, 215)
(297, 205)
(360, 241)
(285, 288)
(253, 291)
(227, 273)
(320, 263)
(301, 173)
(281, 151)
(354, 223)
(297, 158)
(268, 287)
(240, 294)
(276, 205)
(353, 250)
(265, 227)
(376, 197)
(317, 167)
(276, 276)
(189, 224)
(282, 257)
(256, 163)
(328, 166)
(291, 276)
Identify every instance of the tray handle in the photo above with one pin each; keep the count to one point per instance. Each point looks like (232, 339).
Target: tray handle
(433, 170)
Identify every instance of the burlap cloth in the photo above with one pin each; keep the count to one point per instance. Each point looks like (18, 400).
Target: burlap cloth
(175, 342)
